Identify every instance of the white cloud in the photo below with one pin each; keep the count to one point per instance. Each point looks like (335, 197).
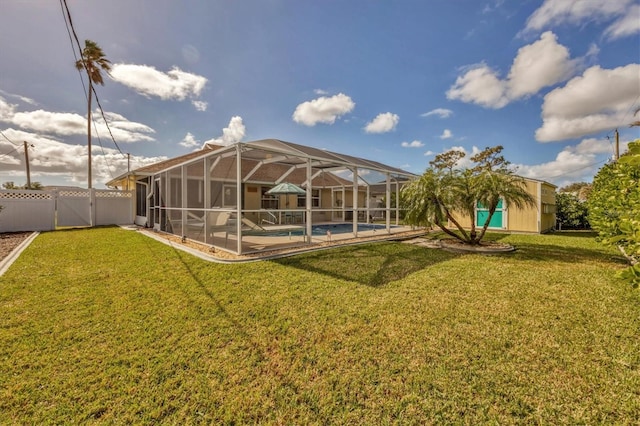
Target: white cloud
(574, 163)
(557, 12)
(19, 97)
(148, 81)
(50, 157)
(537, 65)
(595, 101)
(61, 123)
(414, 144)
(323, 110)
(440, 112)
(428, 153)
(320, 92)
(383, 123)
(69, 124)
(200, 105)
(480, 85)
(446, 134)
(626, 25)
(231, 134)
(7, 110)
(189, 141)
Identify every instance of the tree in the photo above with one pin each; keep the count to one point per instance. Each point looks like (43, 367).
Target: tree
(572, 212)
(579, 189)
(34, 185)
(93, 61)
(444, 190)
(614, 208)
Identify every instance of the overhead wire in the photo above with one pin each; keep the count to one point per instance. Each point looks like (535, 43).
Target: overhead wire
(14, 149)
(7, 138)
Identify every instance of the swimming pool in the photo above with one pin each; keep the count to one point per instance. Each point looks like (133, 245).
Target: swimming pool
(335, 228)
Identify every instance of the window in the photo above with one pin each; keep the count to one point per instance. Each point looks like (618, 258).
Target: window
(315, 199)
(141, 199)
(267, 201)
(229, 198)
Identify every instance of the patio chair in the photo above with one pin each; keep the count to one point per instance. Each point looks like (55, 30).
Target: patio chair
(252, 225)
(218, 222)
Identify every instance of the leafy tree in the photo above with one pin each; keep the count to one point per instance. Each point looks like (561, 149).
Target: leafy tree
(11, 185)
(571, 212)
(580, 189)
(444, 189)
(614, 208)
(93, 61)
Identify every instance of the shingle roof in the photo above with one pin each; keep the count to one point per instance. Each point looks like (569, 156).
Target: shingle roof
(268, 160)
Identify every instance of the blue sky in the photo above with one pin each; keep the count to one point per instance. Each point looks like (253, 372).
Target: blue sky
(392, 81)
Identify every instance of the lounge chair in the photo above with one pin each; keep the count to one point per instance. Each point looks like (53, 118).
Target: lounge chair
(252, 225)
(218, 222)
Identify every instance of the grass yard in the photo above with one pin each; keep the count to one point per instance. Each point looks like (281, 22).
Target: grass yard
(109, 326)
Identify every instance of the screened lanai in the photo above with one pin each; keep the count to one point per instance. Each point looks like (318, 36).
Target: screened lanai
(222, 196)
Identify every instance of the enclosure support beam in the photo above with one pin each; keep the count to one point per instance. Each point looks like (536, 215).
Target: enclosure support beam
(308, 203)
(207, 197)
(239, 198)
(397, 202)
(355, 202)
(388, 202)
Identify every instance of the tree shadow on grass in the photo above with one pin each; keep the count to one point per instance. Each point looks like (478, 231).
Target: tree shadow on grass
(550, 247)
(373, 264)
(557, 253)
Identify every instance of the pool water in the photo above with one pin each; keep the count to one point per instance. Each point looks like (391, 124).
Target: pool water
(335, 228)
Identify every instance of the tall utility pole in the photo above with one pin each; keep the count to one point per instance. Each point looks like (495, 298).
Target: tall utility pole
(26, 160)
(617, 152)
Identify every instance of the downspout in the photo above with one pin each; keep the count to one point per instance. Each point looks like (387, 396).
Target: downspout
(539, 207)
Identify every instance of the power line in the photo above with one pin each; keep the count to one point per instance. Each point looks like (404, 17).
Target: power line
(7, 138)
(71, 30)
(573, 171)
(4, 155)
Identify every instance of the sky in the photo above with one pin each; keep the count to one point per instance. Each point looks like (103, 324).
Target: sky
(392, 81)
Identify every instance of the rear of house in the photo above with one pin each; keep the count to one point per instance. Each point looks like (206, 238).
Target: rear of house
(539, 218)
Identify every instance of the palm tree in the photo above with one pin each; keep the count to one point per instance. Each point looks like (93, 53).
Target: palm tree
(93, 61)
(500, 185)
(444, 190)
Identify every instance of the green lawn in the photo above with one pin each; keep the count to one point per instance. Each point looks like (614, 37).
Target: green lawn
(110, 326)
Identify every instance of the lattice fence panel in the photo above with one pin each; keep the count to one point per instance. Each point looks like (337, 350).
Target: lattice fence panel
(26, 211)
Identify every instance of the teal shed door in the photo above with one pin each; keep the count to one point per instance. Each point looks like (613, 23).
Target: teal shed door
(482, 214)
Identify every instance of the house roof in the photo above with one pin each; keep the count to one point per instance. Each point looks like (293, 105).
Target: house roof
(273, 160)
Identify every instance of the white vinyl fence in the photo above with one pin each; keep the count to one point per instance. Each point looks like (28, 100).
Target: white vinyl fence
(48, 210)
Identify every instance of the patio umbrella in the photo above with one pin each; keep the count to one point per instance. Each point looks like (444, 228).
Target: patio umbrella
(286, 188)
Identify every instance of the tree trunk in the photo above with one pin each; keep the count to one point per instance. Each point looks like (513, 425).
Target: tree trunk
(492, 210)
(89, 134)
(465, 238)
(449, 232)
